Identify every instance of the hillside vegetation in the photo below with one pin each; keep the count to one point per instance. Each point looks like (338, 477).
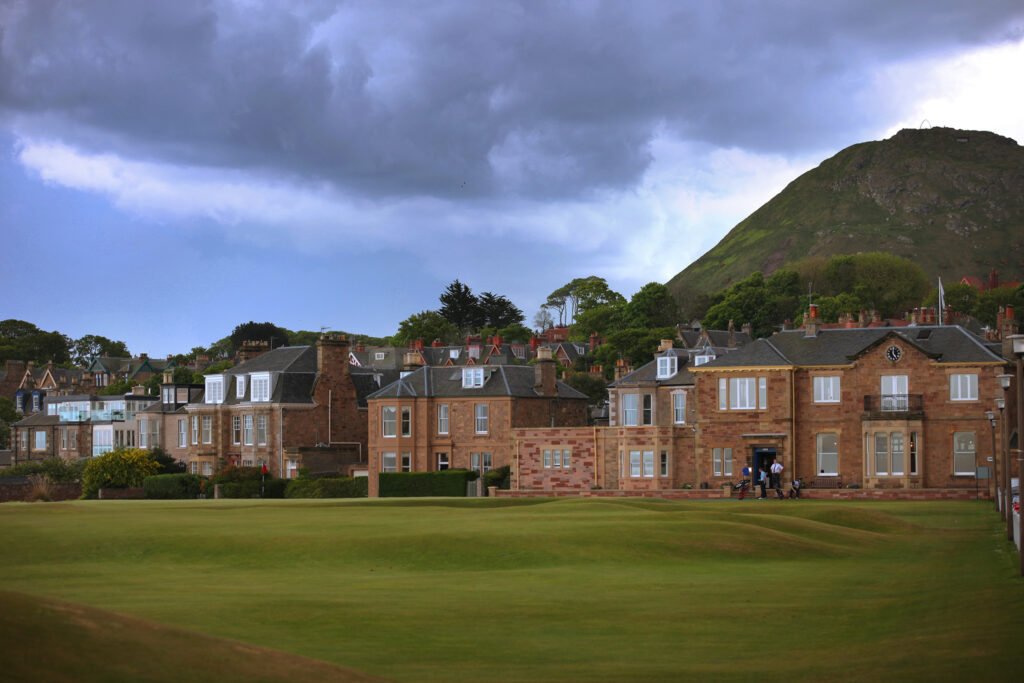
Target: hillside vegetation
(485, 589)
(950, 200)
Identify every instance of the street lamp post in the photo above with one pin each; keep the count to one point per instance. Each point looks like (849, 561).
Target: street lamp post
(1017, 340)
(1004, 381)
(992, 421)
(1001, 456)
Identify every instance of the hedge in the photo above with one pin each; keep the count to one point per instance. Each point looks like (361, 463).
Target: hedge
(168, 486)
(408, 484)
(500, 477)
(250, 488)
(335, 487)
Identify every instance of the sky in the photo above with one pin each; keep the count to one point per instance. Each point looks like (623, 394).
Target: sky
(171, 169)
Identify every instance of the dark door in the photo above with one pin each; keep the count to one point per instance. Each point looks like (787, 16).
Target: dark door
(763, 459)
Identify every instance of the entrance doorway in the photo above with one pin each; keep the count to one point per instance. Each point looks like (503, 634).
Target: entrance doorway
(763, 459)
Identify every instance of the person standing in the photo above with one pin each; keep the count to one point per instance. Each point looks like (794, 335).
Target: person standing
(763, 481)
(777, 478)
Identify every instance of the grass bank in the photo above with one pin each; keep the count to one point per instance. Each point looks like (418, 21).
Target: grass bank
(551, 590)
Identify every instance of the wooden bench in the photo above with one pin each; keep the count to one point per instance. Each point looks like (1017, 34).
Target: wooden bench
(826, 483)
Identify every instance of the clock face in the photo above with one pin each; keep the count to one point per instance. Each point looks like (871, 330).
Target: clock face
(893, 353)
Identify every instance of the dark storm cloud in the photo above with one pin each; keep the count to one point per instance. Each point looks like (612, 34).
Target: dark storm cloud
(534, 99)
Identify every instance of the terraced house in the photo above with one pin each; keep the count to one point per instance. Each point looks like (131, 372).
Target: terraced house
(872, 407)
(436, 418)
(277, 408)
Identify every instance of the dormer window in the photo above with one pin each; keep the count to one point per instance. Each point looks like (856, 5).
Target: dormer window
(453, 354)
(472, 378)
(474, 351)
(240, 386)
(215, 389)
(667, 367)
(702, 359)
(519, 351)
(380, 355)
(259, 387)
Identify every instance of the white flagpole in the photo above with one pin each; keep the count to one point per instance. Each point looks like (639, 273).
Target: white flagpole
(942, 300)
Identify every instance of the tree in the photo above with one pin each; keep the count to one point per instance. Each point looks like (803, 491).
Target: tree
(603, 319)
(426, 326)
(960, 296)
(593, 291)
(460, 307)
(8, 416)
(21, 340)
(990, 300)
(498, 311)
(652, 306)
(765, 304)
(95, 346)
(592, 385)
(253, 331)
(519, 333)
(117, 388)
(543, 320)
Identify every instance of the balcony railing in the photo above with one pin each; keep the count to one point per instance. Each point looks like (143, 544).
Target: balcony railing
(894, 403)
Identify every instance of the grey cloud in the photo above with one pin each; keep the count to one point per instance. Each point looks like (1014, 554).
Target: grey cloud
(527, 99)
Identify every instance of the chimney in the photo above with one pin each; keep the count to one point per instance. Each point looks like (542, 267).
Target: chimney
(544, 373)
(143, 356)
(862, 318)
(748, 330)
(876, 317)
(497, 340)
(597, 370)
(732, 335)
(412, 361)
(250, 349)
(437, 343)
(812, 324)
(947, 316)
(31, 365)
(594, 339)
(993, 279)
(360, 346)
(622, 368)
(418, 345)
(787, 325)
(168, 377)
(332, 354)
(138, 390)
(534, 343)
(665, 345)
(1008, 327)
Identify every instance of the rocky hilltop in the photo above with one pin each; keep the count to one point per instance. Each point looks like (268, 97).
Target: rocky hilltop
(951, 200)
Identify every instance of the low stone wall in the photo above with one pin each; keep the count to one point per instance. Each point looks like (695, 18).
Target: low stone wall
(719, 494)
(122, 494)
(21, 491)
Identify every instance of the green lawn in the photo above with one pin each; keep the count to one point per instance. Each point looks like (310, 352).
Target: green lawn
(551, 590)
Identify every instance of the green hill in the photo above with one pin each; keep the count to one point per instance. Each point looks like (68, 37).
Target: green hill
(950, 200)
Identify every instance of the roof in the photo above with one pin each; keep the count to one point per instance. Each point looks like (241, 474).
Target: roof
(648, 373)
(946, 344)
(499, 380)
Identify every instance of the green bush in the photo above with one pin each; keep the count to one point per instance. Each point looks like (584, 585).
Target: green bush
(250, 488)
(123, 468)
(172, 486)
(335, 487)
(56, 469)
(443, 483)
(500, 477)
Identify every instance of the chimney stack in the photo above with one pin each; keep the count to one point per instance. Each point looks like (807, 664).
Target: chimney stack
(787, 325)
(812, 324)
(332, 354)
(544, 373)
(665, 345)
(437, 343)
(412, 361)
(594, 339)
(250, 349)
(168, 377)
(748, 330)
(622, 368)
(732, 335)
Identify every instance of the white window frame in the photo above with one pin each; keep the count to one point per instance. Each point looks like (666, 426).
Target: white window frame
(259, 387)
(547, 458)
(40, 440)
(647, 410)
(240, 386)
(827, 389)
(380, 355)
(742, 394)
(636, 464)
(143, 435)
(723, 393)
(963, 387)
(472, 378)
(195, 430)
(630, 412)
(19, 403)
(406, 463)
(445, 460)
(236, 430)
(679, 407)
(389, 461)
(442, 418)
(247, 430)
(897, 468)
(480, 418)
(214, 389)
(389, 421)
(207, 429)
(667, 367)
(884, 471)
(406, 421)
(973, 453)
(820, 452)
(182, 433)
(565, 458)
(35, 402)
(648, 464)
(556, 458)
(261, 430)
(664, 464)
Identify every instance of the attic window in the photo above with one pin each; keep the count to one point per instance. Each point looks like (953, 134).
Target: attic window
(453, 353)
(215, 389)
(379, 355)
(474, 351)
(259, 387)
(240, 386)
(519, 351)
(702, 359)
(472, 378)
(666, 367)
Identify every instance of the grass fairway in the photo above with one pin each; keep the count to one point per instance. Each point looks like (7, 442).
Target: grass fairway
(550, 590)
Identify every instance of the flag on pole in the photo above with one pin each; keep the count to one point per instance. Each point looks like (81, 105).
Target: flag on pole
(942, 301)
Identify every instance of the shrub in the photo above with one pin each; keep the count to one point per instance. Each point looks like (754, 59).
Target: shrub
(249, 488)
(335, 487)
(56, 469)
(123, 468)
(168, 465)
(172, 486)
(500, 477)
(443, 483)
(39, 488)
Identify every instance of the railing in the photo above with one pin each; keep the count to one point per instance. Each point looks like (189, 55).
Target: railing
(894, 403)
(73, 415)
(112, 415)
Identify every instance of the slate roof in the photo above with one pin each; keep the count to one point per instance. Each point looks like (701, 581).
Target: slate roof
(648, 373)
(499, 380)
(946, 344)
